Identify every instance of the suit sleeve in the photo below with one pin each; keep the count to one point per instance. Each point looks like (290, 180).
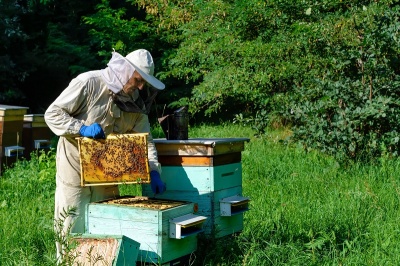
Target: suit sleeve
(59, 116)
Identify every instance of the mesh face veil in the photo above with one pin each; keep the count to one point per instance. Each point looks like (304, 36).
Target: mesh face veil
(140, 102)
(120, 69)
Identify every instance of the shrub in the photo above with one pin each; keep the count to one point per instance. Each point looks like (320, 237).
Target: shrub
(352, 111)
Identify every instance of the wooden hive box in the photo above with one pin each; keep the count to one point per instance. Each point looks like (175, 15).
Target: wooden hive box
(200, 151)
(36, 135)
(115, 250)
(118, 159)
(11, 122)
(204, 171)
(165, 229)
(12, 113)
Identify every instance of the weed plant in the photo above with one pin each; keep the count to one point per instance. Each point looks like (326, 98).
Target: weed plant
(305, 209)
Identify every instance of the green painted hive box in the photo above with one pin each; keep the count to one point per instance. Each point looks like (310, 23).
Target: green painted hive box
(205, 186)
(209, 173)
(115, 250)
(166, 230)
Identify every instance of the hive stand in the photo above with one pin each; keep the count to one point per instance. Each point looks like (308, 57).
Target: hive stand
(209, 173)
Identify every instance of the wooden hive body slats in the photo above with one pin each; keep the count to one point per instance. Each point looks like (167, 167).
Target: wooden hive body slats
(199, 146)
(204, 171)
(149, 227)
(203, 179)
(115, 250)
(208, 205)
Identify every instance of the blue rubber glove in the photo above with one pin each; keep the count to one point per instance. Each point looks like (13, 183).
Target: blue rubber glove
(93, 131)
(157, 185)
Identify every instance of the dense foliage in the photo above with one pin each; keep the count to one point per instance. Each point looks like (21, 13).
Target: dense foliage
(43, 44)
(351, 108)
(329, 69)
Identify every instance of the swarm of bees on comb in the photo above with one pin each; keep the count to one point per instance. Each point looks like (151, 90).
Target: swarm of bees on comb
(115, 157)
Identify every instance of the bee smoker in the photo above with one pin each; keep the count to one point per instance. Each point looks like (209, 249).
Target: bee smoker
(175, 125)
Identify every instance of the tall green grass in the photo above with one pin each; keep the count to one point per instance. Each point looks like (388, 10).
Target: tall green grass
(305, 209)
(26, 212)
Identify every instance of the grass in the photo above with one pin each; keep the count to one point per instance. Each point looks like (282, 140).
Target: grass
(306, 209)
(26, 212)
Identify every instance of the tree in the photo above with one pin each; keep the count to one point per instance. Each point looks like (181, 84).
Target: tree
(44, 45)
(12, 42)
(328, 68)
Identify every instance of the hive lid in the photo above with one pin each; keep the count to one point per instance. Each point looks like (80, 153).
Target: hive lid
(200, 146)
(12, 110)
(118, 159)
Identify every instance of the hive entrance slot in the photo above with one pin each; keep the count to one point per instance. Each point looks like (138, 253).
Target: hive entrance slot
(240, 207)
(186, 225)
(13, 151)
(234, 205)
(42, 143)
(190, 229)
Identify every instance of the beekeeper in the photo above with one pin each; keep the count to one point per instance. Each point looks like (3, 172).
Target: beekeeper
(116, 99)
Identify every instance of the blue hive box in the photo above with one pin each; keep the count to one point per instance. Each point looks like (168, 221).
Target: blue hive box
(166, 230)
(207, 172)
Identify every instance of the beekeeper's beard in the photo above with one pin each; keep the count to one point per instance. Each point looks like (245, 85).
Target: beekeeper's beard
(139, 102)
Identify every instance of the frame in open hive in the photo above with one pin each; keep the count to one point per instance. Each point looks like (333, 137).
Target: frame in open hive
(144, 202)
(118, 159)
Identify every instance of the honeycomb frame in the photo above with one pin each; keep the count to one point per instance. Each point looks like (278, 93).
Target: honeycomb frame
(118, 159)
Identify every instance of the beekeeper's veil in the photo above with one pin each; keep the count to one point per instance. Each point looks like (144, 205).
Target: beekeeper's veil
(120, 69)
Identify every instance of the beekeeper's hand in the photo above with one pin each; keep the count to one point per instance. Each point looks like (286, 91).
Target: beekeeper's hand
(157, 185)
(93, 131)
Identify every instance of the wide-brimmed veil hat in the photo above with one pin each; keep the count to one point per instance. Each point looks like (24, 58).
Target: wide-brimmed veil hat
(142, 61)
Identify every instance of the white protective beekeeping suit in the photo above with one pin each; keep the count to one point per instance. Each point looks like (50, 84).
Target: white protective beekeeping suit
(87, 100)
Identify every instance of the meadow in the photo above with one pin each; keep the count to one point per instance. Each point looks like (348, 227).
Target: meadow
(305, 209)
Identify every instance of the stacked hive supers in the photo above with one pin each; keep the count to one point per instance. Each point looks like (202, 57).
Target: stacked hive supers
(208, 172)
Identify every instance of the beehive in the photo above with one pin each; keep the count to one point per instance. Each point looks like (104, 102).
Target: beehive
(209, 173)
(120, 158)
(36, 135)
(150, 222)
(11, 121)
